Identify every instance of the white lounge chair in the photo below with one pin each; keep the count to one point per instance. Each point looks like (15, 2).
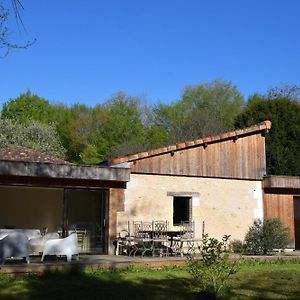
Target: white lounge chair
(67, 246)
(36, 245)
(14, 244)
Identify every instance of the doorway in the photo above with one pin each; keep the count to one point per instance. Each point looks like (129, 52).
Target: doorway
(85, 213)
(297, 222)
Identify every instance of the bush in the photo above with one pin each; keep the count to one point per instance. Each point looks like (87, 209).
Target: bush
(211, 274)
(34, 135)
(237, 246)
(264, 236)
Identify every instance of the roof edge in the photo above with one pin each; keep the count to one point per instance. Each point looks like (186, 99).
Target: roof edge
(281, 182)
(264, 127)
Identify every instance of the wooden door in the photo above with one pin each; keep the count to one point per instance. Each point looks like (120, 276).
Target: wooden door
(297, 222)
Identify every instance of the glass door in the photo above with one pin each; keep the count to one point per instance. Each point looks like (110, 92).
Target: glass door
(85, 214)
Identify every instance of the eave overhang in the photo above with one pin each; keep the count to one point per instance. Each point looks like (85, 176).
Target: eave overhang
(281, 184)
(64, 173)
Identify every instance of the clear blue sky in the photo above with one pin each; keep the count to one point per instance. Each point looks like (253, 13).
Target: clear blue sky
(88, 50)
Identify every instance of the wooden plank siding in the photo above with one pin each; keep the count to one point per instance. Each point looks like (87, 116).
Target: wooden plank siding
(239, 158)
(281, 207)
(282, 182)
(238, 154)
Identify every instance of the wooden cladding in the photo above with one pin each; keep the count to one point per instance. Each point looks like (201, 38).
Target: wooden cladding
(242, 158)
(281, 207)
(282, 182)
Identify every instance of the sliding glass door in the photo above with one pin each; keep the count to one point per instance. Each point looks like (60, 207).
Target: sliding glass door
(84, 212)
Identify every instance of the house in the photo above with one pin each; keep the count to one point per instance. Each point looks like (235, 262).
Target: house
(216, 181)
(38, 191)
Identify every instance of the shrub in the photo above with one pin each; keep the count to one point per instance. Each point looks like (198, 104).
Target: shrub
(237, 246)
(211, 274)
(264, 236)
(34, 135)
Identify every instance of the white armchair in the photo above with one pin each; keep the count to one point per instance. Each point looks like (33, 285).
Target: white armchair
(14, 244)
(36, 245)
(67, 246)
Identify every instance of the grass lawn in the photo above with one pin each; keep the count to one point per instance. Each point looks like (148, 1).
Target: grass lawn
(255, 280)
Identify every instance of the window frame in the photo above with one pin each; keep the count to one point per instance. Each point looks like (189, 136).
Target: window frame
(190, 196)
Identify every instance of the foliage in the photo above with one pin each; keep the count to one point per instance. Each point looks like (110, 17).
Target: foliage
(203, 110)
(264, 236)
(92, 135)
(211, 274)
(76, 131)
(27, 107)
(37, 136)
(123, 125)
(237, 246)
(282, 143)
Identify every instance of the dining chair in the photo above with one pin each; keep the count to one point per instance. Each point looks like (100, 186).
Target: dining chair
(124, 242)
(142, 238)
(160, 238)
(187, 238)
(82, 240)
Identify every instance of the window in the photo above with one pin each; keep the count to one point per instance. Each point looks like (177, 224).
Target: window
(182, 209)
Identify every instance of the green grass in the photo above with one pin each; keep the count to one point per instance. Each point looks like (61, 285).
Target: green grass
(255, 280)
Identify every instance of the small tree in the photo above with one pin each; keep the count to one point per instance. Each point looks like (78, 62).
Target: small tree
(264, 236)
(211, 274)
(37, 136)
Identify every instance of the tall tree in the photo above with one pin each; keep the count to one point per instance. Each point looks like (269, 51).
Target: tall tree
(77, 131)
(24, 108)
(28, 106)
(283, 141)
(203, 110)
(123, 128)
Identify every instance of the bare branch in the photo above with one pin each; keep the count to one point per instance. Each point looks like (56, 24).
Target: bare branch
(5, 44)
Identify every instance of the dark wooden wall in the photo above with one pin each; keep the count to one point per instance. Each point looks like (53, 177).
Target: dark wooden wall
(243, 158)
(115, 204)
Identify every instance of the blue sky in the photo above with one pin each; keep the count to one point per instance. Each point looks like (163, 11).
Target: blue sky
(88, 50)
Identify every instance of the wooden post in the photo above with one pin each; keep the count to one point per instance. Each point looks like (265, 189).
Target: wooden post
(65, 213)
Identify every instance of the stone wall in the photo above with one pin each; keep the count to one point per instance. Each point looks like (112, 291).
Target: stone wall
(227, 206)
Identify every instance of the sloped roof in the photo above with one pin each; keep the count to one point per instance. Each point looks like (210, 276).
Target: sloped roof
(261, 127)
(24, 154)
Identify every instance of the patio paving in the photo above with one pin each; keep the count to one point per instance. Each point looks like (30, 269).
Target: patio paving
(94, 262)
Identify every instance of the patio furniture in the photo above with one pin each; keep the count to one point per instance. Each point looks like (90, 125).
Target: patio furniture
(160, 238)
(82, 240)
(30, 233)
(142, 241)
(36, 245)
(14, 244)
(67, 246)
(124, 242)
(187, 241)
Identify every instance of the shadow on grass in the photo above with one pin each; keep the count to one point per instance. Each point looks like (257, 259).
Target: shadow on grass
(110, 284)
(134, 283)
(281, 284)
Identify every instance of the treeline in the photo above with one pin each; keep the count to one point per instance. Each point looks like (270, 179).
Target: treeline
(124, 124)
